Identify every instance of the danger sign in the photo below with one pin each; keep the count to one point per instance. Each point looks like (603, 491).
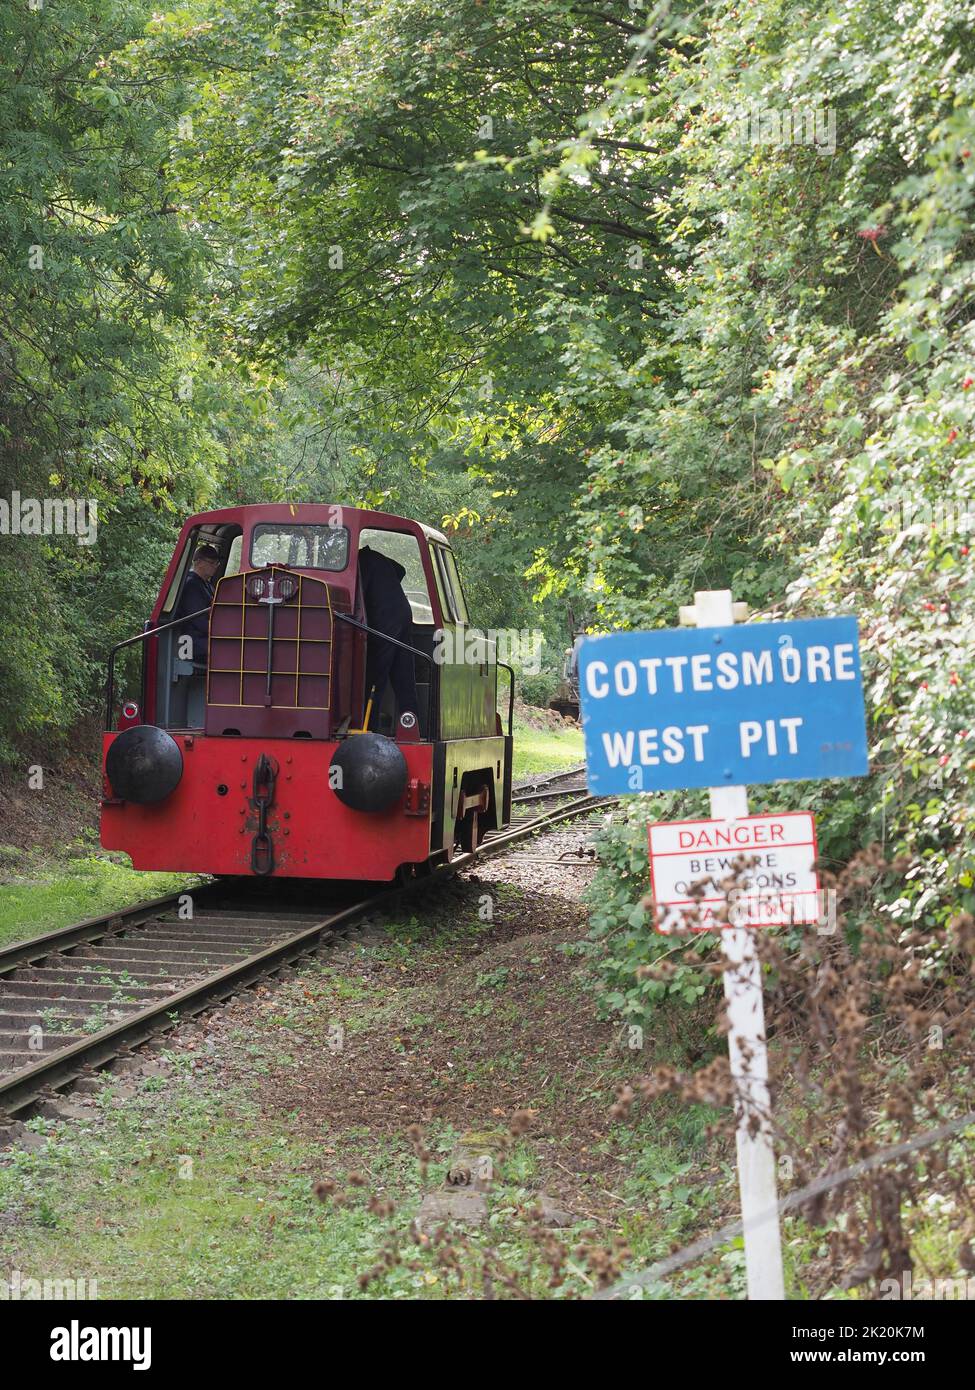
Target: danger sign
(761, 866)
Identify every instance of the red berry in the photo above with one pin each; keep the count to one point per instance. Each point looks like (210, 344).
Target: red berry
(942, 761)
(952, 436)
(969, 381)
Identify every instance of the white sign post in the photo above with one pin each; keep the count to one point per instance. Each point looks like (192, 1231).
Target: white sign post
(746, 1041)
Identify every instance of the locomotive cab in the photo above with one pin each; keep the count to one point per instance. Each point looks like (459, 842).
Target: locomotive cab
(268, 754)
(179, 679)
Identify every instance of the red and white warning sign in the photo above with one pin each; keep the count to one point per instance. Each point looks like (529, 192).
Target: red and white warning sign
(692, 866)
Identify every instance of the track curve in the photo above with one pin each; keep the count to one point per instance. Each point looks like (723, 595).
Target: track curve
(73, 1000)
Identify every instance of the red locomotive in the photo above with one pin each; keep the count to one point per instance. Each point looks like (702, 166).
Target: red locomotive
(263, 754)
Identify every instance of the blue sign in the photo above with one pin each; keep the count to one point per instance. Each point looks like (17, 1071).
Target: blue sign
(723, 706)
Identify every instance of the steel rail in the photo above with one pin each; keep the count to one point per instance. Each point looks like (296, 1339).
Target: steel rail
(545, 796)
(549, 777)
(94, 928)
(539, 822)
(24, 1088)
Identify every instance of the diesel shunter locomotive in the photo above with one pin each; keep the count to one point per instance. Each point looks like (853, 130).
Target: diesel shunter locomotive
(264, 747)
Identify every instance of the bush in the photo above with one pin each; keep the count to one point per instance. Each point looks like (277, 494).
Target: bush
(622, 940)
(537, 689)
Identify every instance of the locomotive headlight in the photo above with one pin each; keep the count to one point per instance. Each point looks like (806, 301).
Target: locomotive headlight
(257, 587)
(287, 587)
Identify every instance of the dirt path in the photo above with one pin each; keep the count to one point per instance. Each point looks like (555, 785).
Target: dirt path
(460, 1010)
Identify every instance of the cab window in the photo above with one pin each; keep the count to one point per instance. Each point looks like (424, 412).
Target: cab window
(225, 539)
(176, 587)
(405, 550)
(440, 581)
(301, 545)
(453, 579)
(233, 558)
(450, 612)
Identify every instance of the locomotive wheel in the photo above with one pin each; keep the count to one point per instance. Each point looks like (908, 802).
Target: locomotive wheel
(469, 832)
(470, 828)
(413, 873)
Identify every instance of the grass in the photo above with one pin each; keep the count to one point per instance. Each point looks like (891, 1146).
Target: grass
(193, 1200)
(194, 1188)
(544, 750)
(187, 1191)
(201, 1198)
(195, 1195)
(88, 886)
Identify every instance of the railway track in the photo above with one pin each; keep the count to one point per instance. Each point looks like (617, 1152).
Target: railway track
(74, 1000)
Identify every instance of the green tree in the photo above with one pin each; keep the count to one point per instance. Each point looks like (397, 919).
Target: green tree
(97, 371)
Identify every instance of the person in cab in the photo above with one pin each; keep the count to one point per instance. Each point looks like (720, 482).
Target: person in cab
(198, 594)
(388, 611)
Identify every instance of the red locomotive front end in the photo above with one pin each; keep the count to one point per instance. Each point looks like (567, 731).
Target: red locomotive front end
(301, 712)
